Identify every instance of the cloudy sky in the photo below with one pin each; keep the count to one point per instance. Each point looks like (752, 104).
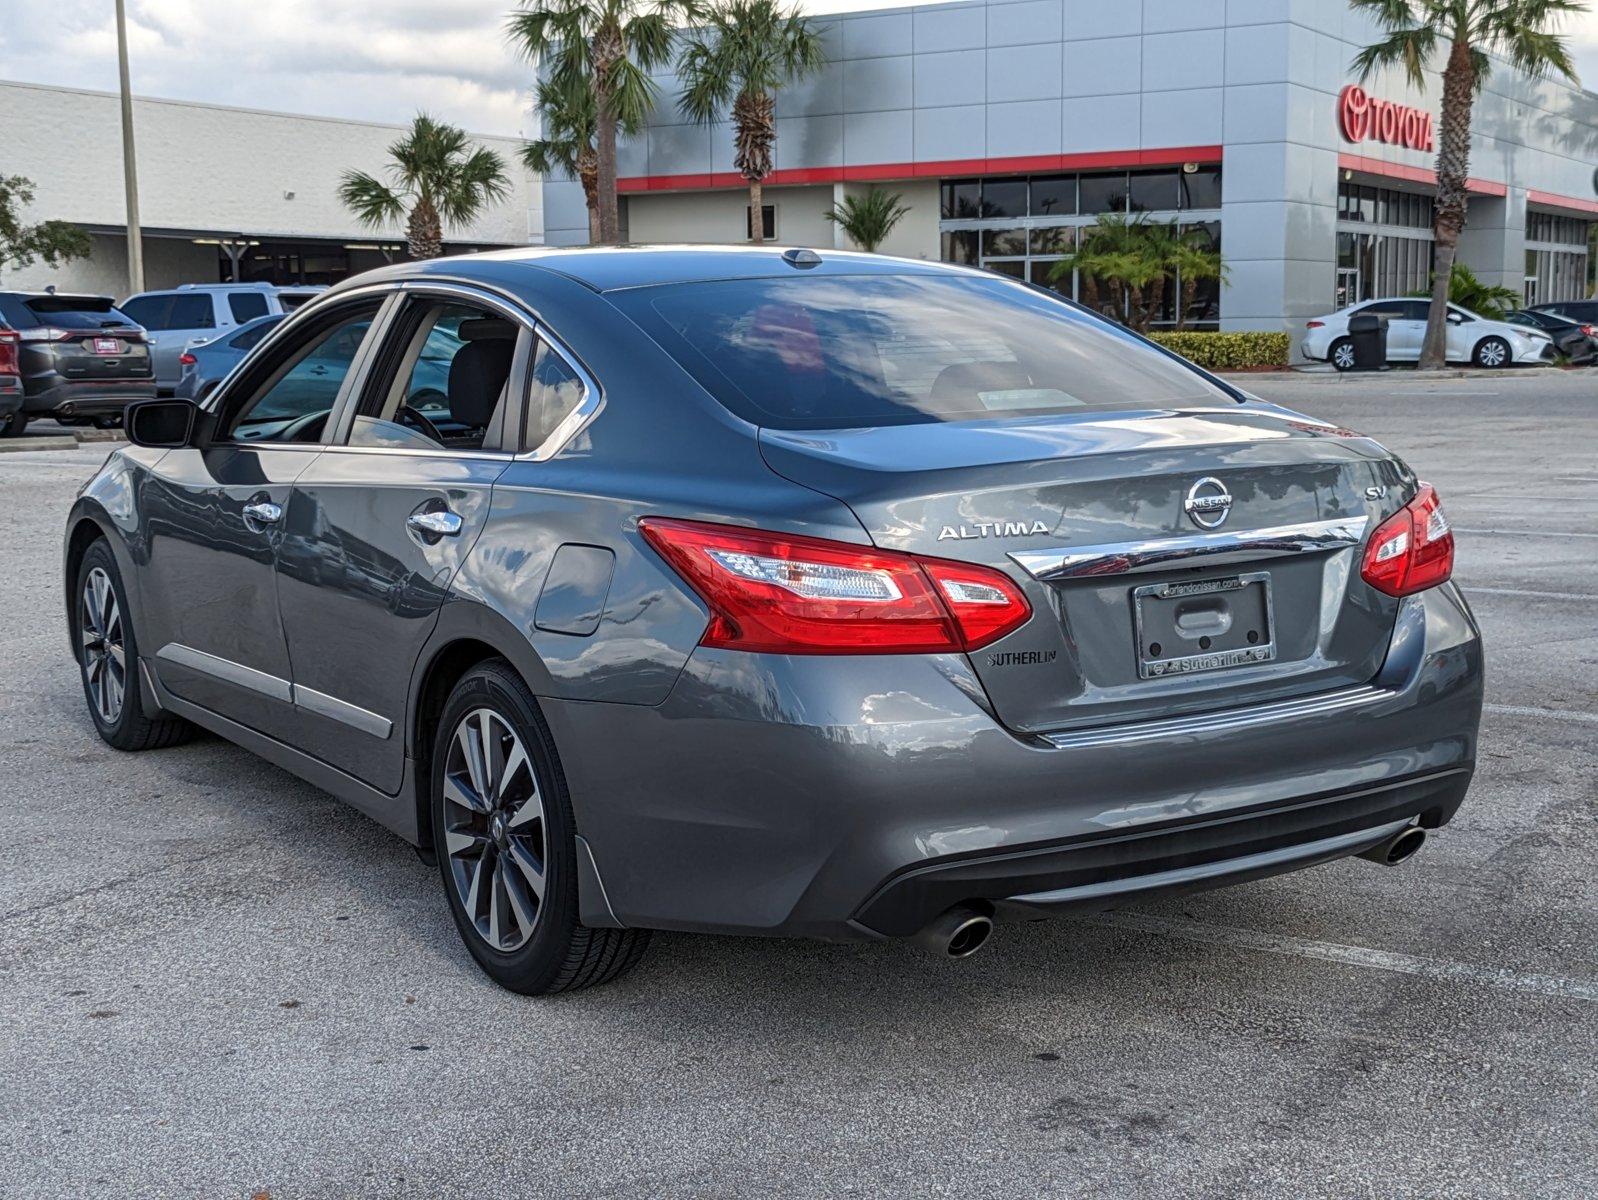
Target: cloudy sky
(350, 58)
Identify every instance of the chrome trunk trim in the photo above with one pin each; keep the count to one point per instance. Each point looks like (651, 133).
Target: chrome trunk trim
(1226, 721)
(1205, 549)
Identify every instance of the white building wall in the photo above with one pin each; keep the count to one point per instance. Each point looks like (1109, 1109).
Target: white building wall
(215, 170)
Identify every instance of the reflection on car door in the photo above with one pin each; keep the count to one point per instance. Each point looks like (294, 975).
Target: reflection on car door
(378, 526)
(215, 520)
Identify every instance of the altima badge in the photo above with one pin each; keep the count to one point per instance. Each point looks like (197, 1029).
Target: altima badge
(1208, 502)
(982, 529)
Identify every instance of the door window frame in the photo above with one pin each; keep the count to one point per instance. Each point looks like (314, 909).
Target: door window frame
(263, 367)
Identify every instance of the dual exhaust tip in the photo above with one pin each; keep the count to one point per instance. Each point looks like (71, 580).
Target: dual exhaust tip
(964, 929)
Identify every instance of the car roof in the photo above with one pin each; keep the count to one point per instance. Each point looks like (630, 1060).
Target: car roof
(610, 268)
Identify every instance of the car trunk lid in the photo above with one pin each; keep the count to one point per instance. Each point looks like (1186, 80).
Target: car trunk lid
(1111, 523)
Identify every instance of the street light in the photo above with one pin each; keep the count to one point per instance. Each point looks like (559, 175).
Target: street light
(130, 177)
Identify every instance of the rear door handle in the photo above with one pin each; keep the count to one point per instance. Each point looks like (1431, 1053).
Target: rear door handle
(435, 523)
(263, 512)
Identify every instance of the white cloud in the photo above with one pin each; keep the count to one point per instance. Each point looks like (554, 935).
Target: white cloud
(350, 58)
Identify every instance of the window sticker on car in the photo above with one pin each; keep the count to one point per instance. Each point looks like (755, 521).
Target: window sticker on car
(1012, 399)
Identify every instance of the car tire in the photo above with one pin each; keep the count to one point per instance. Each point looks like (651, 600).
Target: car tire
(1492, 354)
(505, 840)
(104, 642)
(1341, 354)
(14, 425)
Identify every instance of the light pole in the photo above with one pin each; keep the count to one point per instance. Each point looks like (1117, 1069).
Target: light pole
(130, 175)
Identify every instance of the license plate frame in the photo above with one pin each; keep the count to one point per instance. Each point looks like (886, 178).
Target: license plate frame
(1252, 589)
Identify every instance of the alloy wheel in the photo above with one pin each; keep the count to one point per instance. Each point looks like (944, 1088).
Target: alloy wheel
(105, 667)
(494, 829)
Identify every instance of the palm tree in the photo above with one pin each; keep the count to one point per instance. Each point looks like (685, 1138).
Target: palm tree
(1463, 32)
(747, 50)
(437, 179)
(606, 48)
(1484, 299)
(1194, 260)
(567, 147)
(868, 219)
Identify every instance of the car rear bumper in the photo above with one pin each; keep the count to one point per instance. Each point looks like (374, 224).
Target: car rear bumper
(89, 398)
(859, 798)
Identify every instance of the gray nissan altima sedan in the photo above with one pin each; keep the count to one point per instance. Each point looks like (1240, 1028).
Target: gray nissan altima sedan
(772, 592)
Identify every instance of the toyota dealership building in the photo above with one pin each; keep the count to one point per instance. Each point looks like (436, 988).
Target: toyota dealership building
(1009, 125)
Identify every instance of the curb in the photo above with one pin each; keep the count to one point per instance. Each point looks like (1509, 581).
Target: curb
(109, 438)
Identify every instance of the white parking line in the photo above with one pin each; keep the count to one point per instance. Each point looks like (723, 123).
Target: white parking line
(1473, 590)
(1446, 970)
(1552, 714)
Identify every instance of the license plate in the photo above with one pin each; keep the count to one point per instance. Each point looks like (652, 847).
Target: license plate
(1204, 625)
(107, 346)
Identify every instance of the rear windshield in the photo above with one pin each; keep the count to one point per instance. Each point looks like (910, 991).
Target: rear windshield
(69, 312)
(851, 352)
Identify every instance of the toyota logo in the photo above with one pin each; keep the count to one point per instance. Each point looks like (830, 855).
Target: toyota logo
(1208, 502)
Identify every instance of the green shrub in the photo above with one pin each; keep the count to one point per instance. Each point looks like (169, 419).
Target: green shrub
(1228, 351)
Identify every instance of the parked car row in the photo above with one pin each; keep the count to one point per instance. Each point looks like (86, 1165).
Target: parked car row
(82, 359)
(1527, 336)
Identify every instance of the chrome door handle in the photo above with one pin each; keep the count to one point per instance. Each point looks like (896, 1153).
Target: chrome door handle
(438, 522)
(264, 512)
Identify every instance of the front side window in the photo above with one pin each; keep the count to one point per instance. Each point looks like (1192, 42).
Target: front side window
(827, 353)
(293, 403)
(444, 380)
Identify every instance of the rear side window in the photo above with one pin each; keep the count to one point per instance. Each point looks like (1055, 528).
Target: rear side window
(246, 306)
(149, 311)
(252, 336)
(848, 352)
(555, 391)
(192, 311)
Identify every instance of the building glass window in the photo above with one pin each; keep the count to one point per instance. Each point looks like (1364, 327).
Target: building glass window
(1004, 197)
(1557, 257)
(1384, 243)
(1153, 191)
(1024, 226)
(1053, 196)
(768, 222)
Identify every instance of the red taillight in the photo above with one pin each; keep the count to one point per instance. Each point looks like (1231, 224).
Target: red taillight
(8, 353)
(1314, 324)
(1590, 330)
(1412, 550)
(778, 593)
(187, 359)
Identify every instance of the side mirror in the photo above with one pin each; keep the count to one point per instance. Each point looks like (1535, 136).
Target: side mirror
(1455, 319)
(160, 424)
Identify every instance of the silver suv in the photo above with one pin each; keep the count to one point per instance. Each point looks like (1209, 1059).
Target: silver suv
(192, 312)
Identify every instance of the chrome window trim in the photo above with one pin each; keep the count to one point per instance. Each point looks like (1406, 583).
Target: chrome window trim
(1207, 549)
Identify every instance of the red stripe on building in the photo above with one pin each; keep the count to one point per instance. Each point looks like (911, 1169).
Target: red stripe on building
(1553, 200)
(1027, 164)
(1392, 170)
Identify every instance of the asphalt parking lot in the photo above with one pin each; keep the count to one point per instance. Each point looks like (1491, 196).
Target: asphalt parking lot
(218, 981)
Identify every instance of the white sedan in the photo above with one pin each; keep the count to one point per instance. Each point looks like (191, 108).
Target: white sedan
(1471, 338)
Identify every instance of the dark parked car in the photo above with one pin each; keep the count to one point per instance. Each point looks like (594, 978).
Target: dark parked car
(772, 593)
(1576, 340)
(75, 358)
(1583, 312)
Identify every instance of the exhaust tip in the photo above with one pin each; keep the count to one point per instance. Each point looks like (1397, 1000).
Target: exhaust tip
(1405, 844)
(958, 933)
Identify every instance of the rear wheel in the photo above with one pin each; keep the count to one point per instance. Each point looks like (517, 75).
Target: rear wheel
(1342, 354)
(108, 660)
(504, 837)
(13, 425)
(1492, 353)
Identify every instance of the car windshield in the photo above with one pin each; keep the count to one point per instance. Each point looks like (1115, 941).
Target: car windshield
(831, 353)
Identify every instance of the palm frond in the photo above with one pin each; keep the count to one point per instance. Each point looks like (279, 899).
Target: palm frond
(373, 203)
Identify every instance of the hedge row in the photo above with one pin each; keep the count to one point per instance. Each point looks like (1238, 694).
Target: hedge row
(1228, 351)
